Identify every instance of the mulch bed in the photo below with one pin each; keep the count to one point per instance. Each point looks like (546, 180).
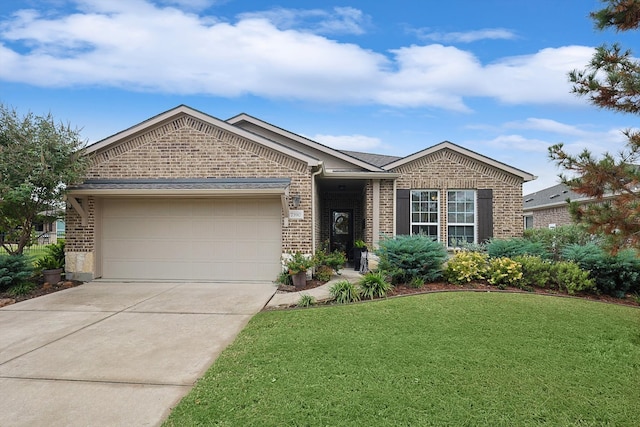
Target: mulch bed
(400, 290)
(40, 290)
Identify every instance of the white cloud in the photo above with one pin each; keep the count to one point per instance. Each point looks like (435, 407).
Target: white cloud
(519, 142)
(341, 20)
(349, 142)
(547, 125)
(467, 36)
(141, 46)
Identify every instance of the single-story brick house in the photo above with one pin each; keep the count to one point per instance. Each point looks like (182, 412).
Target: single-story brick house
(184, 195)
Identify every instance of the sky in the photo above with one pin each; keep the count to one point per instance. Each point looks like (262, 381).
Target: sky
(364, 75)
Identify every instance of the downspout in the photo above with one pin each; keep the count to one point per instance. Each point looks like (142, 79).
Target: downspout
(313, 207)
(395, 190)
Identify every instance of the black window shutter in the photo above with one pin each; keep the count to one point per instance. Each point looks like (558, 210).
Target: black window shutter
(403, 212)
(485, 215)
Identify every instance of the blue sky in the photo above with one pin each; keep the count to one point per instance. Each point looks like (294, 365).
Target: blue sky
(374, 76)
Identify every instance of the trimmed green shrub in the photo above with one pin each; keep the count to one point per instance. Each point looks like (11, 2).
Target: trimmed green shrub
(14, 270)
(535, 271)
(407, 257)
(335, 260)
(466, 266)
(614, 275)
(557, 239)
(568, 276)
(306, 300)
(374, 285)
(344, 292)
(323, 273)
(510, 248)
(503, 272)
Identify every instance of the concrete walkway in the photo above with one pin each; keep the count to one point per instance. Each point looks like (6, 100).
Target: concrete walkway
(115, 354)
(321, 293)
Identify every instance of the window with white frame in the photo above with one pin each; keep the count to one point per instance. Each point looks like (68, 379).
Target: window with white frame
(461, 216)
(425, 209)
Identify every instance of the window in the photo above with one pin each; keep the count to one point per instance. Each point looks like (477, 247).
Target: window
(528, 222)
(461, 216)
(424, 213)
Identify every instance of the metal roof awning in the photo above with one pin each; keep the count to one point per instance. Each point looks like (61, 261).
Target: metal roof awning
(181, 187)
(186, 187)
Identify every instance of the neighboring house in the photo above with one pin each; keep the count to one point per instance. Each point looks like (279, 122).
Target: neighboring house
(186, 196)
(49, 232)
(548, 208)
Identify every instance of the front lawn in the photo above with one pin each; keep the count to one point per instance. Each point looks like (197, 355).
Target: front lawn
(460, 359)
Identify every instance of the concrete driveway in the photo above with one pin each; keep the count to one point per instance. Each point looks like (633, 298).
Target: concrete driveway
(115, 354)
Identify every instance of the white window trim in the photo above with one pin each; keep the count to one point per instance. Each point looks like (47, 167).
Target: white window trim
(438, 211)
(475, 215)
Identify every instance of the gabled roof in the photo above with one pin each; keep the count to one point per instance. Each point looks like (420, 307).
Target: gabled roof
(243, 117)
(526, 176)
(185, 110)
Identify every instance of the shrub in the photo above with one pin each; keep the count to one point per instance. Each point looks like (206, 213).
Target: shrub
(285, 278)
(23, 288)
(306, 300)
(323, 273)
(503, 272)
(465, 267)
(568, 276)
(510, 248)
(555, 240)
(334, 260)
(14, 269)
(56, 251)
(416, 282)
(344, 292)
(535, 271)
(408, 257)
(614, 275)
(298, 263)
(374, 285)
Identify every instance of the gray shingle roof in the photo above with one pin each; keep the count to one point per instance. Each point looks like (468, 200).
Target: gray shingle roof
(556, 195)
(373, 159)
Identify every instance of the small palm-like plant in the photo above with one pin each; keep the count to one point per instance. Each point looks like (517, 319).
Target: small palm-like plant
(344, 292)
(306, 300)
(374, 285)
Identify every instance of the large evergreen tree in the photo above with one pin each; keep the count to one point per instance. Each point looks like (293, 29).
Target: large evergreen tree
(611, 81)
(38, 159)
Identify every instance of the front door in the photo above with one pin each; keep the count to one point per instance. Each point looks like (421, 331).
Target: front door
(342, 231)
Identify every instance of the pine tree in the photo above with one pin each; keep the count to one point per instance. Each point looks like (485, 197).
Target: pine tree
(611, 81)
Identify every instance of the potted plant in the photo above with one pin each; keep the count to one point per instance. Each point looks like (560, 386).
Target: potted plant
(359, 246)
(51, 268)
(297, 268)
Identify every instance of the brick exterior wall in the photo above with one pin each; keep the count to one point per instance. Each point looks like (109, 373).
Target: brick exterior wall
(189, 148)
(448, 170)
(558, 215)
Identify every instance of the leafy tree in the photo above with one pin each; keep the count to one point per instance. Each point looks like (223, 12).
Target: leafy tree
(611, 81)
(38, 159)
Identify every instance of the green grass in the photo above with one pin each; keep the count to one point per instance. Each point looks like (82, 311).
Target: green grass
(447, 359)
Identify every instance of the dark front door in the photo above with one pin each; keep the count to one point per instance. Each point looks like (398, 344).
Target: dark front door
(342, 231)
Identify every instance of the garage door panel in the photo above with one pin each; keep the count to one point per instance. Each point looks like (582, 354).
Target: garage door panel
(191, 239)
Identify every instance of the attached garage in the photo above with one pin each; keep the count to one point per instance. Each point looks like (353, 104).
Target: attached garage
(205, 239)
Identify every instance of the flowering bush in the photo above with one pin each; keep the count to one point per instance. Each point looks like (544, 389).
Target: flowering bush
(504, 272)
(465, 267)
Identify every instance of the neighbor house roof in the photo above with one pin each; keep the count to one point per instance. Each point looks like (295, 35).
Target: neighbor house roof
(556, 195)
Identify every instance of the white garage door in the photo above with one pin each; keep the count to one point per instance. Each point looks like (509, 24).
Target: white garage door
(191, 239)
